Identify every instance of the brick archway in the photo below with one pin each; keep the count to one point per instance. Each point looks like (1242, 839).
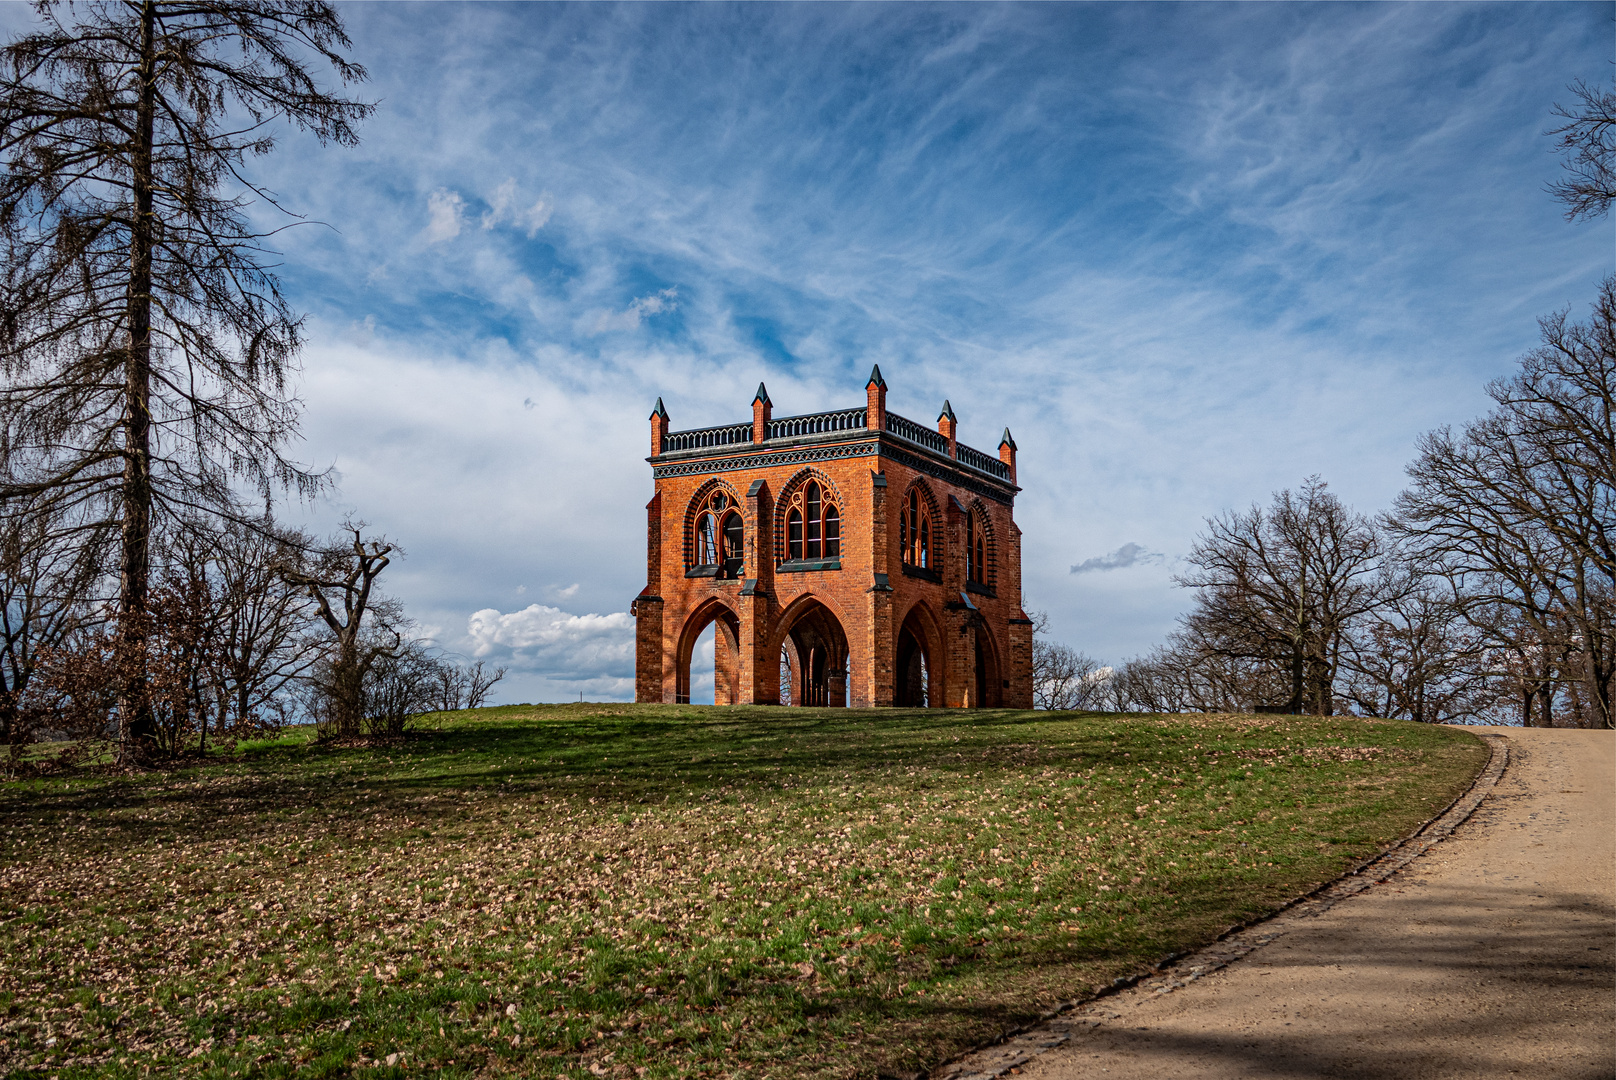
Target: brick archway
(918, 674)
(988, 693)
(813, 647)
(726, 653)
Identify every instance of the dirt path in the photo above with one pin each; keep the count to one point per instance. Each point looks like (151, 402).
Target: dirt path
(1490, 955)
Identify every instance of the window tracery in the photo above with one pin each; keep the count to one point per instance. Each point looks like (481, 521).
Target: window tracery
(914, 531)
(813, 525)
(976, 549)
(720, 534)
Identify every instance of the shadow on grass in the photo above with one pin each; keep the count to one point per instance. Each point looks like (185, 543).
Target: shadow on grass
(627, 759)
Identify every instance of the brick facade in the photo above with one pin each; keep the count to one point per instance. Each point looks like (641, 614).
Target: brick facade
(731, 539)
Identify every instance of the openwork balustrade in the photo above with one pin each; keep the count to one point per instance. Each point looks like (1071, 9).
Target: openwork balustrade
(790, 427)
(919, 434)
(696, 438)
(793, 427)
(979, 461)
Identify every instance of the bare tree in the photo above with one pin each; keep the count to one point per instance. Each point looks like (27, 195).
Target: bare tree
(403, 682)
(1420, 658)
(480, 682)
(1185, 675)
(1587, 142)
(456, 686)
(47, 593)
(1062, 677)
(341, 582)
(1520, 505)
(448, 687)
(1534, 657)
(175, 650)
(1279, 588)
(261, 618)
(143, 338)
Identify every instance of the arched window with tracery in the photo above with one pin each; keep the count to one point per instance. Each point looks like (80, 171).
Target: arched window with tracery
(914, 531)
(976, 550)
(813, 525)
(720, 534)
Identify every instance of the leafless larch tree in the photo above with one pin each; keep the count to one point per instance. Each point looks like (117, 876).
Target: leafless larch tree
(145, 346)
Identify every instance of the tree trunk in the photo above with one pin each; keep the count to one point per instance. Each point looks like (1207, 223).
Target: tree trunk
(1298, 677)
(1598, 688)
(134, 706)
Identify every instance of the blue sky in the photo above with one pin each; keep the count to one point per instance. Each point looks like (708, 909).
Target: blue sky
(1188, 254)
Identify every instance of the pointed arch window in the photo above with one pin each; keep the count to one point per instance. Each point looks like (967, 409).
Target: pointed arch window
(976, 551)
(794, 534)
(706, 540)
(914, 532)
(813, 525)
(720, 540)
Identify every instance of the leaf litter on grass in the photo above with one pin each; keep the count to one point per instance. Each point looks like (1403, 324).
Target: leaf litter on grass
(661, 891)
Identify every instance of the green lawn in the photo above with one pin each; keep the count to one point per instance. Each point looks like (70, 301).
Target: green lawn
(659, 891)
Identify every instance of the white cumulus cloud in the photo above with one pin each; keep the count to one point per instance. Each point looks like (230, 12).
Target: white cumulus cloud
(550, 641)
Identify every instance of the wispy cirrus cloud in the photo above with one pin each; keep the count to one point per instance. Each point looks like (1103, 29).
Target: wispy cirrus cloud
(443, 209)
(508, 206)
(1203, 251)
(637, 311)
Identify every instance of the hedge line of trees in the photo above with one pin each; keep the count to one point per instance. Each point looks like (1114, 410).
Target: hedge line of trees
(247, 627)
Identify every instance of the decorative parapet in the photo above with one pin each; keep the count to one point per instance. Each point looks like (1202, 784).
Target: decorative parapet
(792, 427)
(810, 425)
(697, 438)
(919, 434)
(981, 462)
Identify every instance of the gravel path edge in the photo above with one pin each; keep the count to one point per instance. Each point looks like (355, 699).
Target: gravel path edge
(1057, 1026)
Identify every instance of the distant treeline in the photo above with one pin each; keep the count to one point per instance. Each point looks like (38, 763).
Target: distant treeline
(1487, 593)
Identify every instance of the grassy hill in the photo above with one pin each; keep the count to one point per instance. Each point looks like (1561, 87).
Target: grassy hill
(659, 891)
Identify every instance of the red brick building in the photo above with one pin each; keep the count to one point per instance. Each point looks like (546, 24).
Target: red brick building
(850, 557)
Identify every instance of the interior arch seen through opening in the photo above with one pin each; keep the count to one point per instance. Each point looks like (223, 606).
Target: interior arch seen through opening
(814, 659)
(918, 682)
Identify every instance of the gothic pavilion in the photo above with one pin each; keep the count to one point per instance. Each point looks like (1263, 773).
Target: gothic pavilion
(850, 557)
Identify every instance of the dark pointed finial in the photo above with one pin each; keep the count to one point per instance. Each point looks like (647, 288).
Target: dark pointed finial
(948, 411)
(762, 395)
(658, 411)
(875, 378)
(1007, 440)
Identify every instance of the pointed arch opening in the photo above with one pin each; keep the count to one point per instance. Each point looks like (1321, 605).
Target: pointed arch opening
(988, 689)
(918, 675)
(726, 653)
(813, 656)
